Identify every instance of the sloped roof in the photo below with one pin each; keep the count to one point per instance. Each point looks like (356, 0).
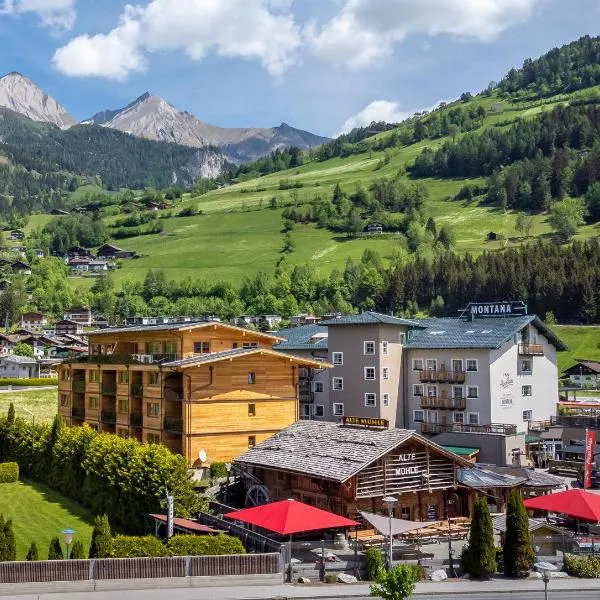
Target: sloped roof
(499, 524)
(531, 477)
(329, 450)
(593, 365)
(370, 318)
(477, 333)
(482, 478)
(299, 338)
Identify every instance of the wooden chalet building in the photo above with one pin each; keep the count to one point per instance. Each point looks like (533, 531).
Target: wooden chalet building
(207, 390)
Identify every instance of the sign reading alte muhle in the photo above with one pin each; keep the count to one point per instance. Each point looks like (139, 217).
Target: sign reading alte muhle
(365, 422)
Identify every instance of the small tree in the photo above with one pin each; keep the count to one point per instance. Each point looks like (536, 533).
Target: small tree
(479, 557)
(396, 584)
(101, 545)
(10, 417)
(566, 217)
(10, 544)
(518, 553)
(78, 551)
(32, 553)
(22, 349)
(55, 550)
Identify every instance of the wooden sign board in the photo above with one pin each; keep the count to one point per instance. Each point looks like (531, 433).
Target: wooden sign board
(366, 422)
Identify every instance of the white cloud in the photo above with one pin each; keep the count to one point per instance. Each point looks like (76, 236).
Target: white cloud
(378, 110)
(248, 29)
(366, 31)
(57, 14)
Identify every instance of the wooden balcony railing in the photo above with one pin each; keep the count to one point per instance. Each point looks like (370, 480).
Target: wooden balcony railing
(173, 424)
(443, 403)
(442, 376)
(500, 428)
(591, 421)
(531, 349)
(109, 388)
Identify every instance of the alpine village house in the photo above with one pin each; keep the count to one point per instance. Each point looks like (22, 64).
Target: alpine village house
(207, 390)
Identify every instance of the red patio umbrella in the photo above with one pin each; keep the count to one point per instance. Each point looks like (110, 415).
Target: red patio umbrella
(578, 504)
(290, 516)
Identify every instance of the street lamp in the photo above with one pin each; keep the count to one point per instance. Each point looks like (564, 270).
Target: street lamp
(68, 533)
(389, 502)
(545, 569)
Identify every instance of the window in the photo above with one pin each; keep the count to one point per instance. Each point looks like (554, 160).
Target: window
(250, 345)
(251, 441)
(526, 365)
(384, 347)
(318, 387)
(338, 409)
(418, 416)
(338, 384)
(432, 391)
(472, 391)
(338, 358)
(369, 347)
(432, 417)
(457, 364)
(94, 376)
(153, 378)
(251, 410)
(402, 339)
(93, 402)
(405, 513)
(417, 364)
(201, 347)
(473, 418)
(234, 345)
(386, 399)
(431, 364)
(64, 399)
(458, 417)
(123, 405)
(305, 410)
(527, 415)
(418, 389)
(154, 348)
(153, 409)
(370, 399)
(123, 376)
(385, 373)
(171, 348)
(251, 378)
(471, 364)
(526, 390)
(457, 391)
(153, 438)
(370, 373)
(319, 410)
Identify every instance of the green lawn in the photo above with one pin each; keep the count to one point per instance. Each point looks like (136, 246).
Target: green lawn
(39, 513)
(42, 403)
(583, 342)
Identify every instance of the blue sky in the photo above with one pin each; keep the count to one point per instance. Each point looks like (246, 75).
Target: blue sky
(315, 64)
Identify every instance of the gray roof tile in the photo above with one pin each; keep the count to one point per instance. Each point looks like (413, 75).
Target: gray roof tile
(299, 338)
(202, 358)
(371, 318)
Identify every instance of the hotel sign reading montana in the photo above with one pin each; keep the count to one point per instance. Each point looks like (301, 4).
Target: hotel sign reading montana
(496, 309)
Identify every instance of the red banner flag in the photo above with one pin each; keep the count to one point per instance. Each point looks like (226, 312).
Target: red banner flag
(590, 449)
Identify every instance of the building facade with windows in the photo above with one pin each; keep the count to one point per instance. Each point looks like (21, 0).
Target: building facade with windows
(202, 388)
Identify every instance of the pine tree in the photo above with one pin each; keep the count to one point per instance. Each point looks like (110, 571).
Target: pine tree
(10, 417)
(3, 548)
(518, 553)
(78, 551)
(55, 550)
(479, 557)
(10, 544)
(32, 553)
(101, 544)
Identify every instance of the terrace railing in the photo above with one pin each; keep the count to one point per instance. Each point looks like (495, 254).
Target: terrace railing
(499, 428)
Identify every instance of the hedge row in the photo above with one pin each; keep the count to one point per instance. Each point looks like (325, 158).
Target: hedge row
(121, 477)
(582, 566)
(38, 381)
(9, 472)
(124, 546)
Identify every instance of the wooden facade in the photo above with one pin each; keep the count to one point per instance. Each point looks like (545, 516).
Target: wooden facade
(207, 388)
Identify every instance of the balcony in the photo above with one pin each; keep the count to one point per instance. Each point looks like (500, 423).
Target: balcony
(137, 390)
(136, 419)
(531, 349)
(173, 394)
(79, 387)
(173, 424)
(108, 416)
(123, 359)
(500, 428)
(78, 412)
(442, 376)
(443, 403)
(109, 388)
(584, 421)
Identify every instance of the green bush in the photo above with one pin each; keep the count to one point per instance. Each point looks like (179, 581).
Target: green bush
(218, 469)
(374, 563)
(77, 551)
(130, 546)
(55, 550)
(101, 544)
(33, 553)
(204, 545)
(28, 382)
(582, 566)
(9, 472)
(330, 578)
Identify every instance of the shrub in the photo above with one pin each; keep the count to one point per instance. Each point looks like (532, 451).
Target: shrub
(78, 551)
(33, 553)
(204, 545)
(479, 557)
(396, 584)
(218, 469)
(330, 578)
(374, 563)
(55, 550)
(130, 546)
(36, 381)
(582, 566)
(101, 544)
(189, 211)
(9, 472)
(518, 553)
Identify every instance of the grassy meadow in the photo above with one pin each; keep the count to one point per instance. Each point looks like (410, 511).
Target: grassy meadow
(583, 342)
(29, 404)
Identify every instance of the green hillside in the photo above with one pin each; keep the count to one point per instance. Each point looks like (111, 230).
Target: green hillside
(583, 342)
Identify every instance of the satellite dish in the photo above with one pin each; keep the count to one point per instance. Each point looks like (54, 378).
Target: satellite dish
(202, 456)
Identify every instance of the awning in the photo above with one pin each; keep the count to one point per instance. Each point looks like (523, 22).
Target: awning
(290, 516)
(461, 450)
(399, 526)
(578, 504)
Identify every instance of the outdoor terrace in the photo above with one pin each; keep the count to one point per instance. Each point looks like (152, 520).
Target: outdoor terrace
(442, 376)
(531, 349)
(499, 428)
(442, 402)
